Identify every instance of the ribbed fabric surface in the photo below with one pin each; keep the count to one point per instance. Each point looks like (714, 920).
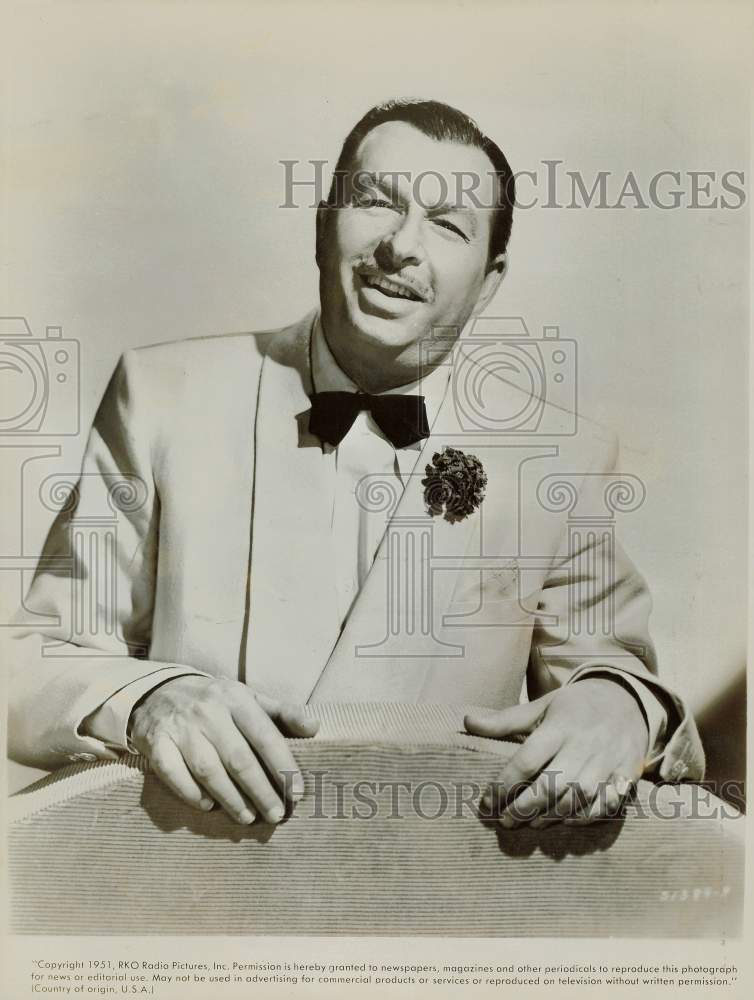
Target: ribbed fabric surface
(105, 849)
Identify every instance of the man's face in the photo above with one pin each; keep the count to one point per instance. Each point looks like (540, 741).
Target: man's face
(408, 253)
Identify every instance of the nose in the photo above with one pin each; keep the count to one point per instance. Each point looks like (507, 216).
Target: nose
(402, 246)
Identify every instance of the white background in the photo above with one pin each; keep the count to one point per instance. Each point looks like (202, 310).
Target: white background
(144, 182)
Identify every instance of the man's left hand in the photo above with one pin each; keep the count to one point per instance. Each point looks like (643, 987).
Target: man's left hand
(585, 748)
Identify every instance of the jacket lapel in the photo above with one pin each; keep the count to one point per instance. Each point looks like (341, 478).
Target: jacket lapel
(292, 622)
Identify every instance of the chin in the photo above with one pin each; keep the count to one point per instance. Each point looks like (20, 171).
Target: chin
(385, 333)
(395, 332)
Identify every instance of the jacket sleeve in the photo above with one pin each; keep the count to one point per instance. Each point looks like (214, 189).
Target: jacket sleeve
(593, 618)
(93, 589)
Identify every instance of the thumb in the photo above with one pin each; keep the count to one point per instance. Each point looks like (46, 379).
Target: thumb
(511, 721)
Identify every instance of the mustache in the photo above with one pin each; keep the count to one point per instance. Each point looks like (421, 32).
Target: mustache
(369, 269)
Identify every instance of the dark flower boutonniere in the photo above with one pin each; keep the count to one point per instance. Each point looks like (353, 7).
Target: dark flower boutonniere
(454, 484)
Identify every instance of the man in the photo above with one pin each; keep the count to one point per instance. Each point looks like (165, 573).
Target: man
(255, 571)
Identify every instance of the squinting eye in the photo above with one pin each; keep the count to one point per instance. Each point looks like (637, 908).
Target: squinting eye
(367, 202)
(453, 229)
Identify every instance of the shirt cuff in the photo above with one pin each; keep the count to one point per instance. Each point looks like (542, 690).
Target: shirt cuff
(109, 722)
(655, 713)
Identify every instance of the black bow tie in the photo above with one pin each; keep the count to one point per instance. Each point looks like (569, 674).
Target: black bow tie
(402, 419)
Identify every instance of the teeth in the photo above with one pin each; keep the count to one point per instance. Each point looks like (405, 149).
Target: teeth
(391, 288)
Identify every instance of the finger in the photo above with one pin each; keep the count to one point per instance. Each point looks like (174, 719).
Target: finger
(203, 760)
(602, 806)
(509, 721)
(600, 795)
(619, 788)
(241, 763)
(536, 753)
(294, 720)
(613, 802)
(542, 795)
(578, 794)
(268, 743)
(169, 766)
(574, 801)
(521, 770)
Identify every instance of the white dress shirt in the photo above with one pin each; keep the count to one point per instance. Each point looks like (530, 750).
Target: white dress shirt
(365, 451)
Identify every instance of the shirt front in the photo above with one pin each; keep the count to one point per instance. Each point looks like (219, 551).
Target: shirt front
(365, 455)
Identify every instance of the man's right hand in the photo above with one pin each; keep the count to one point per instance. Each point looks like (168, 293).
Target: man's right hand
(213, 740)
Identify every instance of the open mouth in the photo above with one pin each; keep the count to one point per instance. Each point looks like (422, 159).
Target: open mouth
(393, 289)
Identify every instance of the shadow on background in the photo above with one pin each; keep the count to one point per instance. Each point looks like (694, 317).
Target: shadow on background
(722, 725)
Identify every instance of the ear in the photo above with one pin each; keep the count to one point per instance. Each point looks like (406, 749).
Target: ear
(496, 271)
(322, 209)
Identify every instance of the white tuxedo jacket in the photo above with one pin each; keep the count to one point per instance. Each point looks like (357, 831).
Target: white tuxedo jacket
(198, 537)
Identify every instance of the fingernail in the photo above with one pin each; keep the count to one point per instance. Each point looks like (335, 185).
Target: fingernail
(508, 822)
(205, 803)
(246, 817)
(275, 814)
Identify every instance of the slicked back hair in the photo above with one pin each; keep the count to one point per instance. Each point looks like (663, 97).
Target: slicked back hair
(445, 124)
